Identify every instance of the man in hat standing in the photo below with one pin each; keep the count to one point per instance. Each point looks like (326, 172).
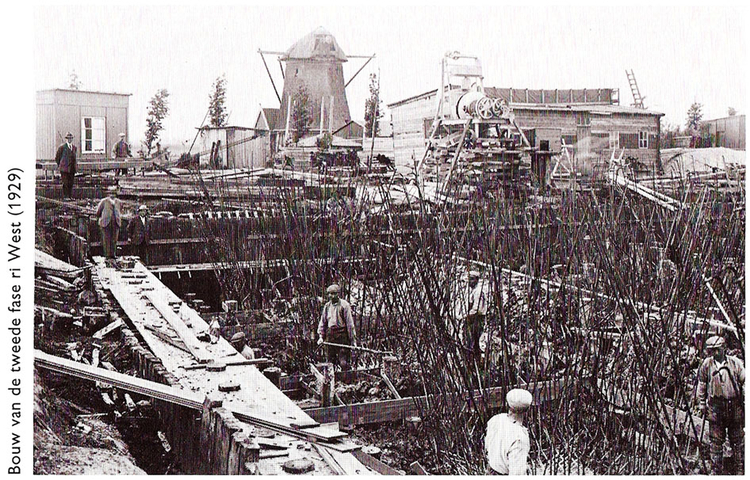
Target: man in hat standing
(139, 232)
(507, 442)
(121, 151)
(721, 379)
(477, 310)
(66, 162)
(110, 219)
(337, 326)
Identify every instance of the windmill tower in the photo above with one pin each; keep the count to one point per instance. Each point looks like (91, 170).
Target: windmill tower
(315, 61)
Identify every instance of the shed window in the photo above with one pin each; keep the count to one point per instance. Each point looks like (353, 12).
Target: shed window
(92, 135)
(642, 139)
(614, 140)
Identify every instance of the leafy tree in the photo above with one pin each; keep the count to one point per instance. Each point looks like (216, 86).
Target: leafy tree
(216, 108)
(158, 109)
(75, 83)
(373, 111)
(301, 113)
(731, 111)
(694, 117)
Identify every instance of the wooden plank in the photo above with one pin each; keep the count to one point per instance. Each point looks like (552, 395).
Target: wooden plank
(398, 409)
(328, 458)
(108, 329)
(83, 166)
(193, 345)
(390, 385)
(374, 464)
(170, 394)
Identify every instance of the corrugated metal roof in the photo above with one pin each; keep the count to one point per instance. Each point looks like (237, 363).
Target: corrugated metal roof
(318, 44)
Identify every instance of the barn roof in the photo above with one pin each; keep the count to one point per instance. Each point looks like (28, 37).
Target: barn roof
(318, 44)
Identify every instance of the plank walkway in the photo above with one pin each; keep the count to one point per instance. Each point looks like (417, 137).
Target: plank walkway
(257, 399)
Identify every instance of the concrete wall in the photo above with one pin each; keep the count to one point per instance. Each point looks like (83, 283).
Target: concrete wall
(60, 111)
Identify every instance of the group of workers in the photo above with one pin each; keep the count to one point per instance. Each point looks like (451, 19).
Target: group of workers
(109, 218)
(721, 380)
(721, 377)
(66, 159)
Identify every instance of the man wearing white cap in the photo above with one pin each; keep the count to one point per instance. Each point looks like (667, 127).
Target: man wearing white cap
(721, 379)
(507, 441)
(121, 151)
(337, 326)
(110, 219)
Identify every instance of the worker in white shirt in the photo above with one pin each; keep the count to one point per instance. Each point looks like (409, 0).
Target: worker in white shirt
(507, 441)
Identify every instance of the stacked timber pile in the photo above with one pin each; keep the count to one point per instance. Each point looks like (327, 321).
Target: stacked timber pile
(83, 428)
(60, 294)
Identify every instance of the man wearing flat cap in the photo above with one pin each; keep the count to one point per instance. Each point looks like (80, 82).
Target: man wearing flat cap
(239, 342)
(721, 380)
(337, 326)
(507, 442)
(66, 162)
(139, 232)
(121, 151)
(110, 220)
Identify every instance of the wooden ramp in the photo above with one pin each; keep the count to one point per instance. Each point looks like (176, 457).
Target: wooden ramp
(173, 332)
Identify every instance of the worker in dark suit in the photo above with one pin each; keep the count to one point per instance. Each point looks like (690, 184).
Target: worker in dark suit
(110, 219)
(139, 232)
(66, 162)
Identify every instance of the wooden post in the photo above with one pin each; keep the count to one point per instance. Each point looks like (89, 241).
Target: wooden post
(210, 402)
(274, 375)
(327, 384)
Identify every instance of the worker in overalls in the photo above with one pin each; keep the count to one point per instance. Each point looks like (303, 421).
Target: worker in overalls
(721, 379)
(337, 326)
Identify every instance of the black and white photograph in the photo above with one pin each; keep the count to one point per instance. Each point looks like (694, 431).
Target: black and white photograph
(375, 239)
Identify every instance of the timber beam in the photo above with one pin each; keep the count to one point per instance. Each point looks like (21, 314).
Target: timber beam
(399, 409)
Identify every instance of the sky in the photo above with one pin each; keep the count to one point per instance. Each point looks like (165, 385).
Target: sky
(679, 55)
